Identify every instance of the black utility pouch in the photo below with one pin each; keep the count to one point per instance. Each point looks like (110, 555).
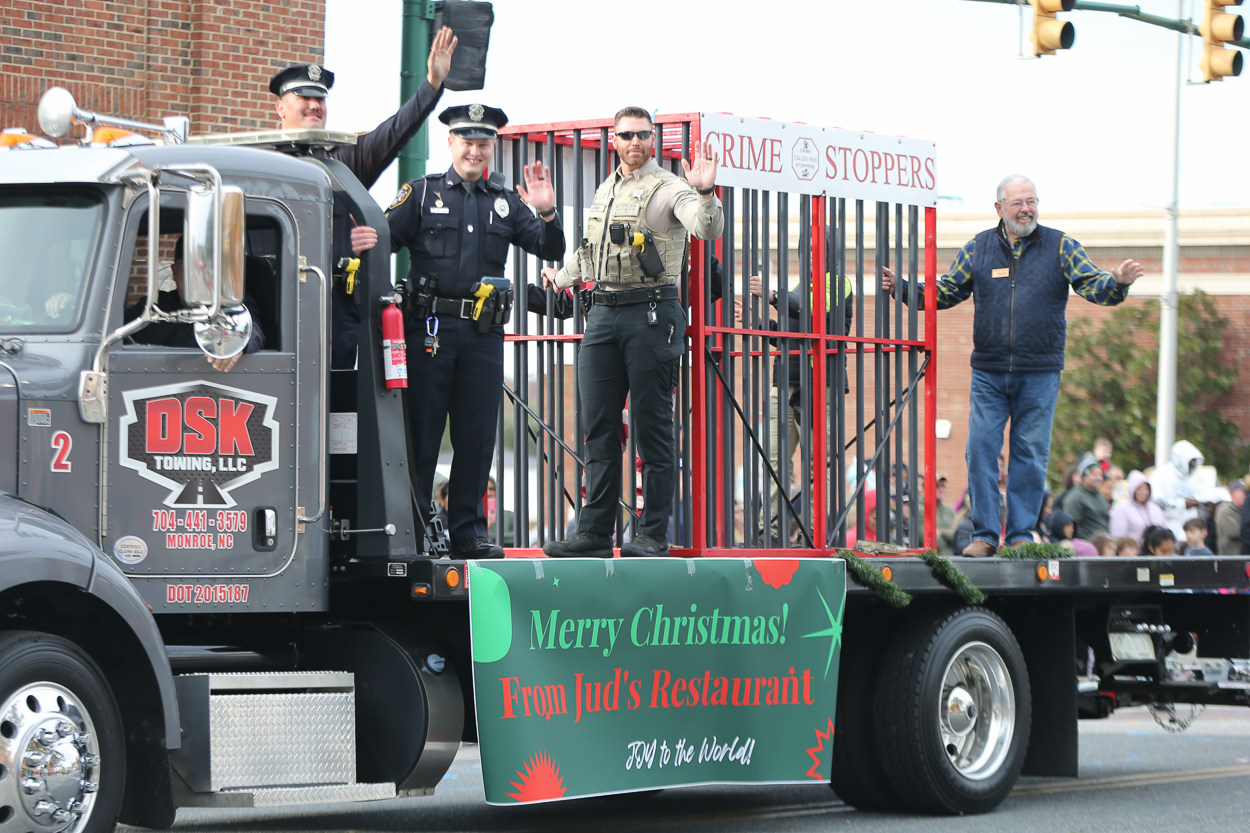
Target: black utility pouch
(504, 308)
(495, 305)
(649, 256)
(420, 291)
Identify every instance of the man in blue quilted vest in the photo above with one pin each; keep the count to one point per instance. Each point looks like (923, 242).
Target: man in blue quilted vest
(1018, 276)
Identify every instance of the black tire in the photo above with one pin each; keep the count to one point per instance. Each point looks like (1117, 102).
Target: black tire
(914, 688)
(858, 776)
(34, 667)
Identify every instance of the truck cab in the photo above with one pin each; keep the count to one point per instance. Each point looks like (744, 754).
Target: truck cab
(185, 536)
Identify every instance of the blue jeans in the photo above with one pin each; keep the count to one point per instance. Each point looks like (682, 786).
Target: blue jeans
(1029, 400)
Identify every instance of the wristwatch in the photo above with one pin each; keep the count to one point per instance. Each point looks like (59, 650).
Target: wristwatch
(706, 193)
(550, 212)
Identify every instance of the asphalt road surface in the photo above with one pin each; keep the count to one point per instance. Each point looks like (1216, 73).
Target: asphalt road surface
(1134, 777)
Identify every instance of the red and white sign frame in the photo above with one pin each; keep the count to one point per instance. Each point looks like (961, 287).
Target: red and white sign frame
(806, 159)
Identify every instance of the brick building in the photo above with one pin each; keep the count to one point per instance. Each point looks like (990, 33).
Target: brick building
(143, 59)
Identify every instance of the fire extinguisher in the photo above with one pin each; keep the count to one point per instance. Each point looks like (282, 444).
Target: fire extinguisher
(394, 352)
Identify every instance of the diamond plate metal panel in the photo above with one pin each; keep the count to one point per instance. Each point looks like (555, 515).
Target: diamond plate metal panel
(274, 740)
(322, 795)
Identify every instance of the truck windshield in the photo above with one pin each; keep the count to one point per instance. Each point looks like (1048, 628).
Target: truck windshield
(46, 246)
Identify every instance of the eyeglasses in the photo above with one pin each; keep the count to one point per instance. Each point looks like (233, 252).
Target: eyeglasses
(1016, 205)
(628, 135)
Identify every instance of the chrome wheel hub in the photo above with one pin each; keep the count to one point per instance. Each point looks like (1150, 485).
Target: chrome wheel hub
(961, 711)
(49, 761)
(977, 715)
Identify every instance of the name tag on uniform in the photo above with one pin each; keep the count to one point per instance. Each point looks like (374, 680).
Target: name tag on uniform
(446, 210)
(1000, 273)
(598, 209)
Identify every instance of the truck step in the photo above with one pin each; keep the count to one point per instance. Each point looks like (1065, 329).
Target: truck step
(290, 796)
(266, 731)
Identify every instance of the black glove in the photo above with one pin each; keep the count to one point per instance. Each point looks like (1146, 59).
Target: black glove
(536, 302)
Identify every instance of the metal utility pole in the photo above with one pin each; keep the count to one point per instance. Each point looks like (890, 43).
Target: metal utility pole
(414, 53)
(1165, 408)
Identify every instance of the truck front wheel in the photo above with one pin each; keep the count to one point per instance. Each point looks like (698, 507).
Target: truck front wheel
(953, 711)
(62, 758)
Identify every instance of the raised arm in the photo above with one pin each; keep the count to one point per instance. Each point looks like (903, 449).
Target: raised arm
(377, 149)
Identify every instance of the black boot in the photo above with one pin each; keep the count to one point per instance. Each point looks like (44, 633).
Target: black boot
(643, 546)
(476, 548)
(580, 545)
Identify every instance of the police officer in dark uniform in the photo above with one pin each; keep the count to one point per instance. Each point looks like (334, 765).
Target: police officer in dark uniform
(301, 92)
(457, 227)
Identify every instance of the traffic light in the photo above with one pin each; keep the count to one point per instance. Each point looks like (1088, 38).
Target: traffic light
(1217, 29)
(1048, 32)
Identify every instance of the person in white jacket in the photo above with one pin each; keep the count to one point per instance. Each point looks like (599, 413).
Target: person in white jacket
(1132, 517)
(1173, 489)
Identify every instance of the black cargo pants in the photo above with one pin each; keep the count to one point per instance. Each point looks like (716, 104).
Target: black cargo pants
(463, 381)
(623, 355)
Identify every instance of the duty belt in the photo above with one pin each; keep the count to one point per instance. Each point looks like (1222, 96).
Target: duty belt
(456, 307)
(650, 294)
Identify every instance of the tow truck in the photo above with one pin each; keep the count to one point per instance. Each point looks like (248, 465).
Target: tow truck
(216, 590)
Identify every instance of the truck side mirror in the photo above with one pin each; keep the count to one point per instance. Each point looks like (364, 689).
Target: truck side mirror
(227, 334)
(203, 226)
(230, 329)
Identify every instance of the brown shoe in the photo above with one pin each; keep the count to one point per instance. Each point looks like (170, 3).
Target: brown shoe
(980, 549)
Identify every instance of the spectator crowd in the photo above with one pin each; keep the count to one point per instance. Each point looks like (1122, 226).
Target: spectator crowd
(1176, 509)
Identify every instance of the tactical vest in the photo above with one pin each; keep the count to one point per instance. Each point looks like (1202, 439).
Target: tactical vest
(602, 260)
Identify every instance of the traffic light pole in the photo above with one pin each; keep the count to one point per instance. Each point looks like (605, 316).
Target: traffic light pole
(414, 54)
(1165, 414)
(1165, 408)
(1132, 13)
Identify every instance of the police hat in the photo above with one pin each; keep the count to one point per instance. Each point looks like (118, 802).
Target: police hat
(474, 121)
(308, 80)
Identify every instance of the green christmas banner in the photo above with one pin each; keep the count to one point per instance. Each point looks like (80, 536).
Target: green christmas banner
(604, 676)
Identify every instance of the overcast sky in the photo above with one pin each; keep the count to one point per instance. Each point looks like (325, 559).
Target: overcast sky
(1091, 125)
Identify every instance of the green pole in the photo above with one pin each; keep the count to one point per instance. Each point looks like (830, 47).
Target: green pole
(414, 52)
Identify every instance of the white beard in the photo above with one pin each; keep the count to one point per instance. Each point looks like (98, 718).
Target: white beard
(1020, 230)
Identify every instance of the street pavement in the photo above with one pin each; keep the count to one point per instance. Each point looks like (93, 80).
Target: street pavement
(1134, 777)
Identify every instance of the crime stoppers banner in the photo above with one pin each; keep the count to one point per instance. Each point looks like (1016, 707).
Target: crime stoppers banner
(594, 676)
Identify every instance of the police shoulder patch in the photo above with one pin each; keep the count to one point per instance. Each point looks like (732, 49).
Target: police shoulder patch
(403, 194)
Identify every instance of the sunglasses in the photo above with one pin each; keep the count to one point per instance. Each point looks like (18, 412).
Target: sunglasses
(628, 135)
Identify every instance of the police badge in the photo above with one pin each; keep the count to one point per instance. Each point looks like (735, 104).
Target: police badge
(476, 112)
(501, 207)
(314, 72)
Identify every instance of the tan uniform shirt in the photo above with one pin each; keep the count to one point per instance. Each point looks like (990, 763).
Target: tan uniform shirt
(673, 203)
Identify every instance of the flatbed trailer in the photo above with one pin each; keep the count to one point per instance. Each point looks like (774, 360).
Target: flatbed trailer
(1069, 618)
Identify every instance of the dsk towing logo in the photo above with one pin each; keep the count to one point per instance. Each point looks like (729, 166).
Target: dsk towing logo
(198, 439)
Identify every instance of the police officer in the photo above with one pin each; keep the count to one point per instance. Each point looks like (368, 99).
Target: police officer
(457, 227)
(301, 92)
(635, 331)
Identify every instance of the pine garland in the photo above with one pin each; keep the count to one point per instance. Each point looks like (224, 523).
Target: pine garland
(948, 574)
(869, 576)
(1034, 552)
